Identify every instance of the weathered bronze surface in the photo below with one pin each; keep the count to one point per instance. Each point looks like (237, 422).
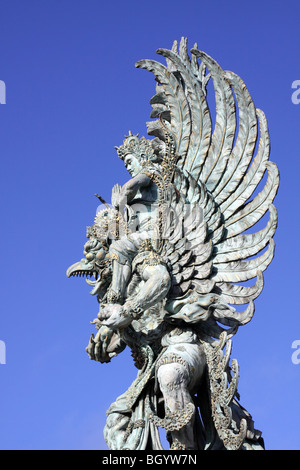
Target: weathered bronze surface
(170, 256)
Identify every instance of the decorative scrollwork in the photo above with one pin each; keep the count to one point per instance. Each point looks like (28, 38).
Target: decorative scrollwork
(222, 393)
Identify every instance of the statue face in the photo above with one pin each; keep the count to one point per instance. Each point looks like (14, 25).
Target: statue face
(132, 164)
(94, 264)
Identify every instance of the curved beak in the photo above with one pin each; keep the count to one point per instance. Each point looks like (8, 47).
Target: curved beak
(81, 268)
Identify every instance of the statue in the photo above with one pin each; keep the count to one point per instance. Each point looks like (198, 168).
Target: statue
(171, 255)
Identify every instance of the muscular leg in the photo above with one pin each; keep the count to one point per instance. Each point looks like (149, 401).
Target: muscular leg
(173, 381)
(179, 373)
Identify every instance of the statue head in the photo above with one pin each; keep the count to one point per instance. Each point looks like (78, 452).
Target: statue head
(96, 260)
(95, 263)
(136, 153)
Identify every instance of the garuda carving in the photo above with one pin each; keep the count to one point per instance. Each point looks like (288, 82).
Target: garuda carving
(172, 253)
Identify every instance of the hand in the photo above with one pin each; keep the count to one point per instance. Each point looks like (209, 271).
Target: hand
(112, 315)
(97, 347)
(115, 197)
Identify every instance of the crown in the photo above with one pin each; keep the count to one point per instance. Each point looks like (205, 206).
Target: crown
(108, 225)
(103, 223)
(136, 146)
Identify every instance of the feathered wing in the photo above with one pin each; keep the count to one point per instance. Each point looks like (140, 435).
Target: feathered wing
(219, 172)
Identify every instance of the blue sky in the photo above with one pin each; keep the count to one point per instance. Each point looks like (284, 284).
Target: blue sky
(72, 93)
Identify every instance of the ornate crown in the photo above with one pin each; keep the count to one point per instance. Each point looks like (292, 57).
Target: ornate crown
(108, 224)
(139, 147)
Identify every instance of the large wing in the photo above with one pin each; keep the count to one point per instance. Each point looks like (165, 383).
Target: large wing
(221, 170)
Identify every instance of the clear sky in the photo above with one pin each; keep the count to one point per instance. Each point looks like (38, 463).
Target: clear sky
(72, 93)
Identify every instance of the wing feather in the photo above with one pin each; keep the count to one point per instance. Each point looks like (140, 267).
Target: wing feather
(242, 152)
(244, 246)
(255, 173)
(237, 271)
(200, 134)
(236, 294)
(254, 210)
(225, 124)
(177, 104)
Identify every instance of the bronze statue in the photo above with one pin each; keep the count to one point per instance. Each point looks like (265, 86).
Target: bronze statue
(170, 255)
